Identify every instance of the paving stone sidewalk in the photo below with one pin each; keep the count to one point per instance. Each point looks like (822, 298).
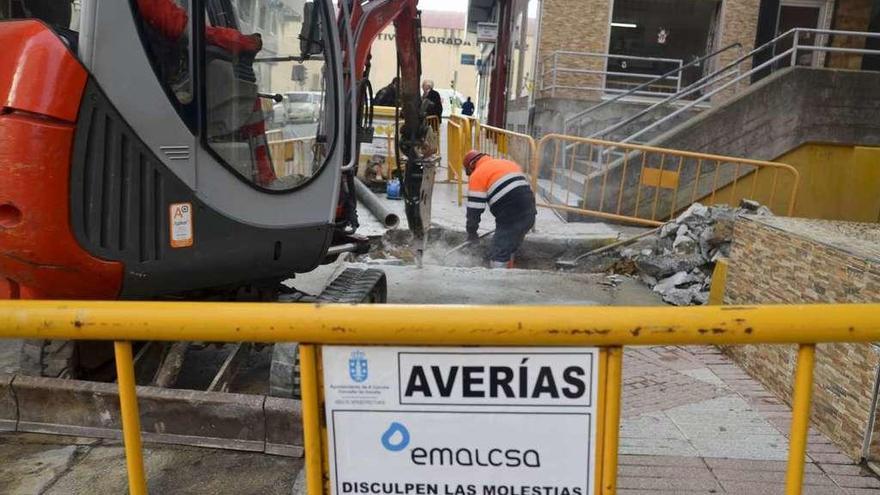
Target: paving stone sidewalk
(694, 422)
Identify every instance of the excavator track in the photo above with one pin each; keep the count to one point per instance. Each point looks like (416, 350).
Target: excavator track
(352, 286)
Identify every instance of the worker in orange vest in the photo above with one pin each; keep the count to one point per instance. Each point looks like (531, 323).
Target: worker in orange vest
(504, 188)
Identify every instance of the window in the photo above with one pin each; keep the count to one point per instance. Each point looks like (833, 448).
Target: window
(654, 35)
(265, 113)
(246, 10)
(62, 15)
(166, 30)
(265, 17)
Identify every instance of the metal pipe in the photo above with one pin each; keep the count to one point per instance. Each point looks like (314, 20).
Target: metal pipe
(611, 417)
(365, 196)
(613, 73)
(311, 417)
(612, 55)
(342, 248)
(131, 421)
(719, 283)
(800, 418)
(601, 398)
(834, 49)
(438, 324)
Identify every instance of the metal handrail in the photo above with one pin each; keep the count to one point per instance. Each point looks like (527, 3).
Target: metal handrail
(693, 88)
(723, 72)
(632, 91)
(555, 69)
(615, 55)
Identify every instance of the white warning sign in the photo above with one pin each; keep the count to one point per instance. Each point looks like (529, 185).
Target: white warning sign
(181, 222)
(461, 421)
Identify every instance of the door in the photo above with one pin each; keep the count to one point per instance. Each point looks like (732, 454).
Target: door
(802, 14)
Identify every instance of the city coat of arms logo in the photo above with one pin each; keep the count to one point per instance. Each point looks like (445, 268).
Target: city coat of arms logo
(357, 366)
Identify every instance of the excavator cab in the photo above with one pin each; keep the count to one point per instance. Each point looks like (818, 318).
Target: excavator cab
(147, 153)
(149, 149)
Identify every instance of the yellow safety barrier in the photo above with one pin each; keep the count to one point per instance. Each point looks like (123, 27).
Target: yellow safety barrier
(501, 143)
(455, 155)
(433, 122)
(292, 156)
(314, 325)
(648, 185)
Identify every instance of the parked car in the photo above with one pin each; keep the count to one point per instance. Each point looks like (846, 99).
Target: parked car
(303, 106)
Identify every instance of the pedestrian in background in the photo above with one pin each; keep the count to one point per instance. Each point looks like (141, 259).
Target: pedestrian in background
(467, 108)
(432, 103)
(387, 96)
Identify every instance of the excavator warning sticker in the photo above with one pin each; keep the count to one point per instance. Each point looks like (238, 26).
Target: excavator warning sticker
(181, 221)
(461, 421)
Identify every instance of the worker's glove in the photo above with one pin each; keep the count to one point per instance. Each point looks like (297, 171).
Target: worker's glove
(473, 237)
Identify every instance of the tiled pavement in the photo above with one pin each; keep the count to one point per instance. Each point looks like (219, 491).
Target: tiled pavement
(694, 422)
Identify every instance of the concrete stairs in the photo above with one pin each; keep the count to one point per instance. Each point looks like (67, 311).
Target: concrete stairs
(781, 112)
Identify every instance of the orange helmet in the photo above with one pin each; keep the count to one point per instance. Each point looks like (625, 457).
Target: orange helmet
(470, 160)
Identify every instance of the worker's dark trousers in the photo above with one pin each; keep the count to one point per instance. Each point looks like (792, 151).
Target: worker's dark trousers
(508, 237)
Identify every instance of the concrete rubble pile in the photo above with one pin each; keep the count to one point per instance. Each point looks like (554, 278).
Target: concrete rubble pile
(678, 260)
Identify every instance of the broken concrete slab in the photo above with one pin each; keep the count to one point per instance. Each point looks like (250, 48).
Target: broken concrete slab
(677, 261)
(671, 282)
(8, 405)
(661, 266)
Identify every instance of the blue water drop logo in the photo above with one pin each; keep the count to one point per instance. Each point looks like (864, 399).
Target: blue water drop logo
(396, 446)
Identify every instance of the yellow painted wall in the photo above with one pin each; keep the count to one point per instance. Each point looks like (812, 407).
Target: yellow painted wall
(836, 183)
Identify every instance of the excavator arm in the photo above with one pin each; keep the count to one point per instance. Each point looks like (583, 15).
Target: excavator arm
(367, 20)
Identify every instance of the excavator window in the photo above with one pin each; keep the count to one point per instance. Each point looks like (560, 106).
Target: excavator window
(61, 15)
(266, 110)
(167, 33)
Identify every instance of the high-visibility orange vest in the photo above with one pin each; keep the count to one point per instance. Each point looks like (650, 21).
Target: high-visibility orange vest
(501, 185)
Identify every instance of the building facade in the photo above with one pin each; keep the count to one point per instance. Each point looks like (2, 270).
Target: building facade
(587, 50)
(449, 54)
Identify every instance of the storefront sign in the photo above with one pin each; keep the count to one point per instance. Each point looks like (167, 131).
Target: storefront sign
(461, 421)
(487, 32)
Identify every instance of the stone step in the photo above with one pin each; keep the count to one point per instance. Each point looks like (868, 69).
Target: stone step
(558, 195)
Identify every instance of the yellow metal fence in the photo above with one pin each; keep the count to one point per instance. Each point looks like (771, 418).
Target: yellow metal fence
(632, 183)
(509, 145)
(315, 325)
(292, 156)
(455, 150)
(650, 185)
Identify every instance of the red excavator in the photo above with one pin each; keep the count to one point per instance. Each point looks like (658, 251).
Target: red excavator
(145, 152)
